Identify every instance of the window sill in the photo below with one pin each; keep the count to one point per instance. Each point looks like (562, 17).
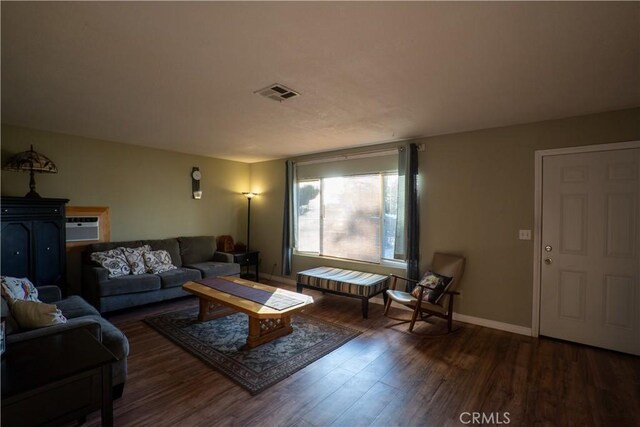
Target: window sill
(398, 265)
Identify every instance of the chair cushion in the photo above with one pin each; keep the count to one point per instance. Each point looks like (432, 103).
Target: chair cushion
(212, 269)
(401, 297)
(178, 277)
(406, 298)
(195, 250)
(438, 282)
(130, 284)
(74, 306)
(158, 261)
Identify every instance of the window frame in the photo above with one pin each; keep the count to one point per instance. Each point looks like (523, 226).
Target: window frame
(385, 262)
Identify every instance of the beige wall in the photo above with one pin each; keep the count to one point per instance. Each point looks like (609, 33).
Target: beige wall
(477, 192)
(148, 191)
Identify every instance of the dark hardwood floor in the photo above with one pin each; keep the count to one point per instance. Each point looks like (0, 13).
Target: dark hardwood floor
(384, 377)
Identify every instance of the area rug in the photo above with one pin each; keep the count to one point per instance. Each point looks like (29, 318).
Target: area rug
(221, 344)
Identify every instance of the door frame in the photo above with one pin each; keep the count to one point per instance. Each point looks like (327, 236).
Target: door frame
(537, 226)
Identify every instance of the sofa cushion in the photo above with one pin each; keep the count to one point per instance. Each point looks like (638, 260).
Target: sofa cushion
(212, 269)
(33, 314)
(196, 249)
(135, 259)
(113, 260)
(177, 277)
(14, 288)
(74, 306)
(169, 245)
(107, 246)
(130, 284)
(158, 261)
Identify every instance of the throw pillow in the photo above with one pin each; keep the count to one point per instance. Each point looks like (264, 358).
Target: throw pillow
(438, 284)
(18, 289)
(114, 261)
(158, 261)
(135, 259)
(31, 314)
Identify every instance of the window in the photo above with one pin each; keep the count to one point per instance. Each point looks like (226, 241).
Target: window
(351, 217)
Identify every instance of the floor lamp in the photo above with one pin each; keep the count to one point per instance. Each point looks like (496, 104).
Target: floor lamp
(249, 196)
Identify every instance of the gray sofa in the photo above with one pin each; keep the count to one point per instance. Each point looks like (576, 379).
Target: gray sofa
(195, 257)
(79, 314)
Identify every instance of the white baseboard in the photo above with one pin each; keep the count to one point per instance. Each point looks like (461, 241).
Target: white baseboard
(493, 324)
(487, 323)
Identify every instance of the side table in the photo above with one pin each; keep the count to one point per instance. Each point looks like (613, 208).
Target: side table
(248, 259)
(56, 379)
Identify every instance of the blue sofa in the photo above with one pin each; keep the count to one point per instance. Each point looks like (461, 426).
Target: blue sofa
(79, 314)
(195, 257)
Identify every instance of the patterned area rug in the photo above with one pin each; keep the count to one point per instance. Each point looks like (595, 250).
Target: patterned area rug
(220, 343)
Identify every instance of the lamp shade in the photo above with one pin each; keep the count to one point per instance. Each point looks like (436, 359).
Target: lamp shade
(31, 160)
(250, 195)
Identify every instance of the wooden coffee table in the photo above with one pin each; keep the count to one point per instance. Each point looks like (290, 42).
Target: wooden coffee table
(265, 323)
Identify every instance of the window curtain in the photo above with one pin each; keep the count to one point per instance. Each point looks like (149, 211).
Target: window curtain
(408, 221)
(288, 226)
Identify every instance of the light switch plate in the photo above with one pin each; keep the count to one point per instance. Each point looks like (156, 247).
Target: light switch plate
(525, 234)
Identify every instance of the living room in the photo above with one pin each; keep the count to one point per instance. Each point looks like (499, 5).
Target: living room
(127, 98)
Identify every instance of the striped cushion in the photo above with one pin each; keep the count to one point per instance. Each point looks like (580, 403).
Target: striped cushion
(345, 281)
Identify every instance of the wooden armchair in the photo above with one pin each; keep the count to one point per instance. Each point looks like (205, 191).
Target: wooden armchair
(443, 264)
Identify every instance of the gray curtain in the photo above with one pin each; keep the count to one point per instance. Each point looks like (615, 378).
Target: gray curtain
(408, 221)
(288, 227)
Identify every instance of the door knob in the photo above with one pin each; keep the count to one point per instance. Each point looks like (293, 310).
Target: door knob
(548, 248)
(548, 261)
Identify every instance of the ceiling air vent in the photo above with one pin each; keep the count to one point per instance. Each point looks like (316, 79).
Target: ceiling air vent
(277, 92)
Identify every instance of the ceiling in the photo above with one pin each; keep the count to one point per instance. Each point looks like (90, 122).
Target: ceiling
(181, 75)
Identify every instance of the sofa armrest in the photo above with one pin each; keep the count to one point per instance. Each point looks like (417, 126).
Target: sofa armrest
(222, 257)
(49, 294)
(91, 324)
(92, 277)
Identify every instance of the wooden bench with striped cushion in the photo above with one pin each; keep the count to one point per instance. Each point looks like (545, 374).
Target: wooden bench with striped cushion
(350, 283)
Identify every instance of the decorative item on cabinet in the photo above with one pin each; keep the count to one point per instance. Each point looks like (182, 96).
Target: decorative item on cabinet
(33, 240)
(31, 161)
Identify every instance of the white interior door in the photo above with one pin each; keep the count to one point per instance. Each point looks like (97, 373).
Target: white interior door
(590, 267)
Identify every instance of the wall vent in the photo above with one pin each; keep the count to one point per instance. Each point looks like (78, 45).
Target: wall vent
(278, 92)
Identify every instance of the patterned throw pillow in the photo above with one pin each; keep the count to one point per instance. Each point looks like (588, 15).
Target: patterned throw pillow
(18, 289)
(114, 261)
(438, 282)
(32, 314)
(135, 259)
(158, 261)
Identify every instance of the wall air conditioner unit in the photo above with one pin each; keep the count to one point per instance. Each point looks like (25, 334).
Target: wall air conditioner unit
(83, 228)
